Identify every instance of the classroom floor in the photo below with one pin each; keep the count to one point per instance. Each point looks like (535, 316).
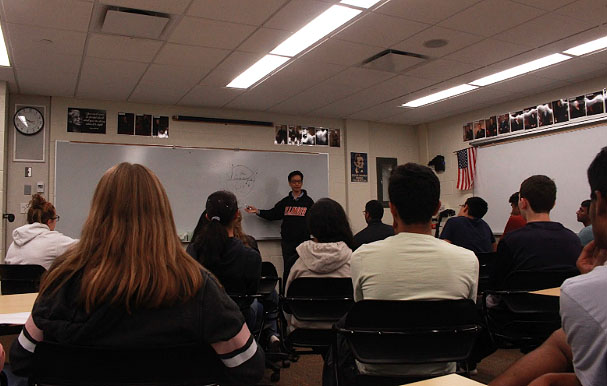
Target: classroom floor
(308, 369)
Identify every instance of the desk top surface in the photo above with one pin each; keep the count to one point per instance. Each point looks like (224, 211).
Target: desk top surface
(447, 380)
(10, 304)
(549, 292)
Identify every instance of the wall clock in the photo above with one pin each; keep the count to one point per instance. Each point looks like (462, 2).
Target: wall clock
(28, 121)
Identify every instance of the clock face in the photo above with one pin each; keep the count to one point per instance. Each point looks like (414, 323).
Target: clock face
(28, 120)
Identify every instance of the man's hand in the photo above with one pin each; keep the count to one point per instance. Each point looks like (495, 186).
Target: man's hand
(250, 209)
(591, 257)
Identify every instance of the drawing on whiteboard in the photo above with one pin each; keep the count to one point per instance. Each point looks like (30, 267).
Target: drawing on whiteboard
(241, 180)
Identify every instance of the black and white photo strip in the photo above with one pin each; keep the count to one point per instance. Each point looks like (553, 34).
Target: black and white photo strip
(142, 124)
(306, 135)
(542, 115)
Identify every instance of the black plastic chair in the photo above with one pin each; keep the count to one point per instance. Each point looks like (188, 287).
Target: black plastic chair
(401, 332)
(315, 300)
(269, 278)
(20, 279)
(519, 319)
(486, 262)
(58, 365)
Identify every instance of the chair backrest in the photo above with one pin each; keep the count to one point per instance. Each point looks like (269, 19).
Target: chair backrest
(56, 364)
(411, 332)
(486, 262)
(269, 278)
(319, 299)
(20, 279)
(537, 280)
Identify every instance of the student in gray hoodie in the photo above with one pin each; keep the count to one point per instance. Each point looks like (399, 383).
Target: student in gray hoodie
(328, 253)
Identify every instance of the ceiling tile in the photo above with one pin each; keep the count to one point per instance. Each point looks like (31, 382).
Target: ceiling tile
(522, 84)
(341, 52)
(230, 68)
(313, 72)
(210, 33)
(165, 76)
(424, 11)
(62, 14)
(109, 79)
(175, 7)
(295, 14)
(34, 61)
(356, 77)
(210, 96)
(542, 30)
(52, 81)
(148, 93)
(380, 30)
(600, 57)
(442, 69)
(261, 97)
(574, 67)
(43, 41)
(313, 98)
(577, 39)
(487, 52)
(378, 112)
(264, 40)
(392, 88)
(548, 5)
(181, 55)
(490, 17)
(456, 40)
(594, 11)
(122, 47)
(253, 12)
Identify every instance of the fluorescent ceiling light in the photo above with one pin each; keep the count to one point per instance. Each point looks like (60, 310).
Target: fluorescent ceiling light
(315, 30)
(522, 69)
(257, 71)
(440, 95)
(360, 3)
(587, 47)
(3, 52)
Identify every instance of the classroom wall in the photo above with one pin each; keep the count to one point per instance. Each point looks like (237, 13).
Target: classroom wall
(445, 136)
(4, 121)
(396, 141)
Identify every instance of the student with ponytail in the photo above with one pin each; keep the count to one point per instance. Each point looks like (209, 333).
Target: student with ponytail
(215, 246)
(37, 242)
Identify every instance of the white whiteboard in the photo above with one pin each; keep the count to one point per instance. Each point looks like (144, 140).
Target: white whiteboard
(189, 176)
(563, 156)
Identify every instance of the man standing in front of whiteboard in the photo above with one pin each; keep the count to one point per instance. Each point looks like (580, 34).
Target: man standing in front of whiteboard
(292, 211)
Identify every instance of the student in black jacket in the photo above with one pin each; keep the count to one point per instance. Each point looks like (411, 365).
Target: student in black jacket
(375, 230)
(237, 267)
(292, 211)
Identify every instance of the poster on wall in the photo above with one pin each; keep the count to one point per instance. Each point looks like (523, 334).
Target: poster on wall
(577, 107)
(594, 103)
(545, 115)
(160, 128)
(281, 135)
(530, 118)
(516, 121)
(468, 133)
(503, 123)
(334, 138)
(143, 124)
(308, 136)
(560, 109)
(85, 120)
(359, 167)
(479, 129)
(491, 126)
(294, 135)
(322, 136)
(126, 123)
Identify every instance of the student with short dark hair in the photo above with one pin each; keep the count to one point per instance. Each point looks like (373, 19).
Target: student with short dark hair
(542, 244)
(292, 211)
(583, 216)
(376, 230)
(128, 283)
(468, 229)
(515, 221)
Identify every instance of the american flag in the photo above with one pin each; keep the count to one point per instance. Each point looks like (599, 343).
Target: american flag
(466, 168)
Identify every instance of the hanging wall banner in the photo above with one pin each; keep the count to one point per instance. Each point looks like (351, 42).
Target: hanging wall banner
(85, 120)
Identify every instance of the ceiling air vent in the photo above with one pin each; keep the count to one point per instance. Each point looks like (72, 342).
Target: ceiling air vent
(134, 22)
(393, 61)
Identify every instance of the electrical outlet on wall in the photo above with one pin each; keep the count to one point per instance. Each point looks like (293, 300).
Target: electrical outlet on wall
(23, 207)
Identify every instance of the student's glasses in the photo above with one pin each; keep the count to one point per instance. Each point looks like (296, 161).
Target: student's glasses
(56, 218)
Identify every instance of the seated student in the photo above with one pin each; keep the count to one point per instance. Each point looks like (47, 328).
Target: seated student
(468, 230)
(375, 230)
(515, 221)
(413, 265)
(541, 245)
(581, 344)
(583, 216)
(237, 267)
(129, 283)
(2, 357)
(328, 253)
(38, 242)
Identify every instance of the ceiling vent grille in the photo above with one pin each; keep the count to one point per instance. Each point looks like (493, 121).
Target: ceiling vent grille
(134, 22)
(394, 61)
